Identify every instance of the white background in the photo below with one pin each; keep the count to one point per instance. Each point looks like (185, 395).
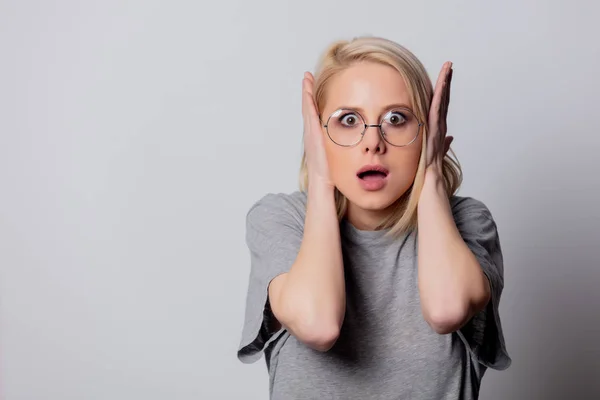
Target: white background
(135, 135)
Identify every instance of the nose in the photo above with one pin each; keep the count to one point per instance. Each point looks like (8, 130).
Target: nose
(372, 141)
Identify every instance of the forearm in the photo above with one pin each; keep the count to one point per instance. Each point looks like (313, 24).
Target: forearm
(451, 282)
(311, 298)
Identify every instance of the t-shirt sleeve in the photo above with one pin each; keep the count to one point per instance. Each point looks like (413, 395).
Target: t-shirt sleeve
(274, 230)
(483, 333)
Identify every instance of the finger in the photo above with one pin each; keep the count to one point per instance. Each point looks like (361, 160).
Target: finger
(447, 143)
(310, 79)
(309, 76)
(305, 100)
(446, 101)
(309, 108)
(312, 104)
(310, 82)
(450, 75)
(443, 75)
(439, 86)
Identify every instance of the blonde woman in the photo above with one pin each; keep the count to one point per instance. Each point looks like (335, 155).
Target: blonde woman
(374, 280)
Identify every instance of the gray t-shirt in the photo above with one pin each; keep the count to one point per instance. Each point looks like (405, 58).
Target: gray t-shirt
(385, 350)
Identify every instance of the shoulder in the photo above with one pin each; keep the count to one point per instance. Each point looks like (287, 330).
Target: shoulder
(473, 218)
(476, 224)
(469, 208)
(277, 208)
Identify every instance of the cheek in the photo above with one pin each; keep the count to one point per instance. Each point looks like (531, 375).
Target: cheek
(405, 162)
(338, 160)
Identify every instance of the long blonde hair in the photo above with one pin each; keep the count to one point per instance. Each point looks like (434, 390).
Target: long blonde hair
(343, 54)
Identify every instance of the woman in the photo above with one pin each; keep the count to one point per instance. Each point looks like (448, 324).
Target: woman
(375, 281)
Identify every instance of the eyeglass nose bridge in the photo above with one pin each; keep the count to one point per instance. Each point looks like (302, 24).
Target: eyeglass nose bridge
(379, 129)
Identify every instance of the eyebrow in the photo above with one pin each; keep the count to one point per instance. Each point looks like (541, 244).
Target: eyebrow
(384, 109)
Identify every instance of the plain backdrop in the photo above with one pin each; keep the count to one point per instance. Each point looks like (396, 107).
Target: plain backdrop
(135, 135)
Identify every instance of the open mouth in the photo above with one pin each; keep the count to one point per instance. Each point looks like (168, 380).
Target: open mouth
(372, 172)
(368, 175)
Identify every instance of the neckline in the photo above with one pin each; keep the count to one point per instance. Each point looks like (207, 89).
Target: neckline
(361, 236)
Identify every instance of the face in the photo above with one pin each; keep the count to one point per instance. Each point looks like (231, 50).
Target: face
(372, 173)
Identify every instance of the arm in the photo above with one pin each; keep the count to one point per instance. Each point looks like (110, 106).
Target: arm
(452, 284)
(310, 299)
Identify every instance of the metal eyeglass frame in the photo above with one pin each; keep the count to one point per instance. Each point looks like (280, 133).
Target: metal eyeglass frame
(379, 126)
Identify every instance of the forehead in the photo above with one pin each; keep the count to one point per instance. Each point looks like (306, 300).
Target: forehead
(368, 86)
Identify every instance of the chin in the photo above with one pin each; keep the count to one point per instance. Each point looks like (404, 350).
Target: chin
(372, 200)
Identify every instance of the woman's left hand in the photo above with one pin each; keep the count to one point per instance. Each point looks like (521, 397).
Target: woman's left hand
(437, 142)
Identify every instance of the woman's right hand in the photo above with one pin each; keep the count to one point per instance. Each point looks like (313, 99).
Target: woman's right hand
(309, 300)
(314, 146)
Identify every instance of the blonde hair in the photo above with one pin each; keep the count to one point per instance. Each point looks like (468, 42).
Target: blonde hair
(343, 54)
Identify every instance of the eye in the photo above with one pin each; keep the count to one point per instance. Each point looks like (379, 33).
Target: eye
(395, 118)
(349, 119)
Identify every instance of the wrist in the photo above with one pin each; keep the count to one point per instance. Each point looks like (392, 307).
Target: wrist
(434, 177)
(320, 205)
(318, 182)
(434, 188)
(318, 187)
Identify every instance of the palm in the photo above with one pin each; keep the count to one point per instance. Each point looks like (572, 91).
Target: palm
(314, 146)
(437, 142)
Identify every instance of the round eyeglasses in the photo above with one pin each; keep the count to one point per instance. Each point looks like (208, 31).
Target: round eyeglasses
(399, 127)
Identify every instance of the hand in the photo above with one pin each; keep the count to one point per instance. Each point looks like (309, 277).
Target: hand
(314, 147)
(437, 142)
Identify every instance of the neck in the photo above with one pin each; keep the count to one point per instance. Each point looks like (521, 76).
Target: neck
(367, 220)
